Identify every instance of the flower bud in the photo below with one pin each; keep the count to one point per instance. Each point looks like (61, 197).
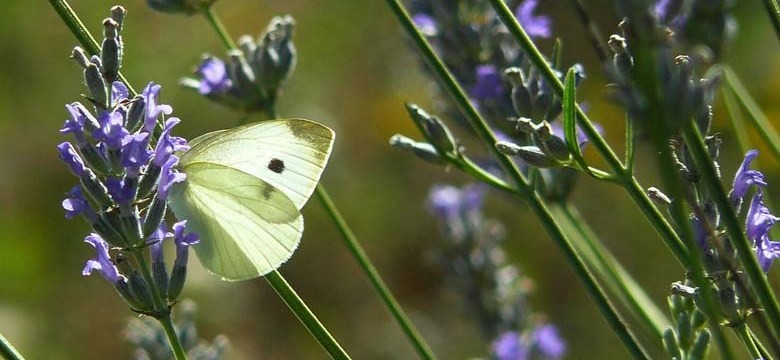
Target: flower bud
(111, 51)
(178, 276)
(434, 129)
(123, 288)
(95, 189)
(530, 154)
(699, 349)
(684, 331)
(422, 150)
(160, 274)
(658, 196)
(670, 344)
(154, 216)
(140, 290)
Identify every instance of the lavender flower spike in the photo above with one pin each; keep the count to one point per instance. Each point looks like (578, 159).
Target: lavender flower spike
(111, 130)
(535, 26)
(71, 158)
(135, 153)
(746, 177)
(102, 261)
(183, 242)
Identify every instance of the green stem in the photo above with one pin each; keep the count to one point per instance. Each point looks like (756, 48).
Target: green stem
(630, 184)
(535, 201)
(747, 340)
(219, 28)
(305, 315)
(160, 307)
(77, 28)
(760, 121)
(766, 297)
(422, 348)
(612, 272)
(773, 9)
(8, 351)
(761, 348)
(170, 332)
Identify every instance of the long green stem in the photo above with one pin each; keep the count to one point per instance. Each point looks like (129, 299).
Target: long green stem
(8, 351)
(305, 315)
(423, 349)
(773, 10)
(766, 297)
(170, 332)
(219, 28)
(747, 341)
(630, 184)
(612, 272)
(387, 297)
(69, 17)
(487, 136)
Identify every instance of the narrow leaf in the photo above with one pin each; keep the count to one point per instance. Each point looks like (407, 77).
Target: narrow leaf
(570, 121)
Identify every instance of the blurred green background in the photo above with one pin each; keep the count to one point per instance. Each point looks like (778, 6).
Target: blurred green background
(355, 71)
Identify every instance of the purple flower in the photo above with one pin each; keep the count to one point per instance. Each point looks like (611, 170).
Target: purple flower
(426, 24)
(119, 91)
(509, 346)
(169, 176)
(120, 190)
(155, 241)
(548, 342)
(767, 251)
(488, 83)
(168, 144)
(75, 125)
(76, 204)
(758, 220)
(71, 158)
(535, 26)
(135, 152)
(214, 76)
(746, 177)
(183, 242)
(102, 261)
(111, 130)
(153, 109)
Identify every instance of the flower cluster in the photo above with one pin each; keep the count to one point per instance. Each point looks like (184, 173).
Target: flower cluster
(252, 78)
(126, 165)
(494, 289)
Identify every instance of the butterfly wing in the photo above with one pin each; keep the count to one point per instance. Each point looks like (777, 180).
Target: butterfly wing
(289, 154)
(247, 226)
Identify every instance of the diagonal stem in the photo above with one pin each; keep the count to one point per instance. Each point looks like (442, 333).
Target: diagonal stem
(773, 10)
(7, 351)
(535, 201)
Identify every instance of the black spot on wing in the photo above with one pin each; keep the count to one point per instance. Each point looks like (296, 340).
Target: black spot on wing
(276, 165)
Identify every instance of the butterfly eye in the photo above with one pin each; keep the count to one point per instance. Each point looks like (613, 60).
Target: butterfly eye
(276, 165)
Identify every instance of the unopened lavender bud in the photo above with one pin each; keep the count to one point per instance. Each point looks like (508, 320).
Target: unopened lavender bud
(178, 276)
(247, 46)
(556, 148)
(160, 274)
(684, 331)
(524, 125)
(109, 232)
(700, 346)
(530, 154)
(287, 53)
(111, 51)
(95, 189)
(140, 290)
(670, 344)
(123, 288)
(422, 150)
(622, 59)
(149, 180)
(684, 290)
(241, 73)
(136, 114)
(118, 15)
(434, 129)
(81, 57)
(97, 85)
(543, 131)
(698, 320)
(729, 303)
(521, 96)
(658, 196)
(154, 216)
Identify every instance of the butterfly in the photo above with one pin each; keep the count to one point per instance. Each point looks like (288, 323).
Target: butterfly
(244, 191)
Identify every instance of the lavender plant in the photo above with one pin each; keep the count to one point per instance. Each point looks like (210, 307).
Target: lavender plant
(664, 72)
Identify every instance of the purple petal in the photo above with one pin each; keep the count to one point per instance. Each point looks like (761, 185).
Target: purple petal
(76, 204)
(758, 220)
(119, 92)
(183, 242)
(135, 152)
(488, 84)
(426, 24)
(767, 251)
(214, 76)
(510, 347)
(102, 261)
(120, 190)
(111, 130)
(167, 145)
(745, 177)
(169, 176)
(71, 158)
(153, 109)
(535, 26)
(548, 342)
